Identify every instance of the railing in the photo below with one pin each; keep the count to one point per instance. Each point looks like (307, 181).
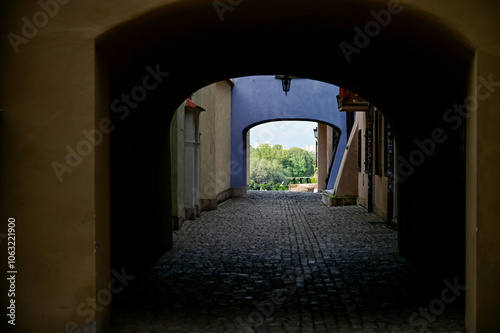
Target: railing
(295, 179)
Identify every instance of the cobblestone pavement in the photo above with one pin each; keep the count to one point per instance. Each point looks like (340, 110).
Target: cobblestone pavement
(283, 262)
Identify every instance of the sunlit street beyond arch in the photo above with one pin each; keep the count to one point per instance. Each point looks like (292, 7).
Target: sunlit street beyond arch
(284, 262)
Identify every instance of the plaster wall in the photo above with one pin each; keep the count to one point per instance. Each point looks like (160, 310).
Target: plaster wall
(177, 160)
(483, 202)
(223, 139)
(60, 222)
(322, 156)
(215, 148)
(208, 147)
(347, 180)
(379, 189)
(329, 144)
(348, 186)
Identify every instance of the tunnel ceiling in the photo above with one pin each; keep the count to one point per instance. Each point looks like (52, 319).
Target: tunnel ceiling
(414, 61)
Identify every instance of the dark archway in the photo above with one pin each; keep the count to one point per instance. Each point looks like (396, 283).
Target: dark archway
(414, 70)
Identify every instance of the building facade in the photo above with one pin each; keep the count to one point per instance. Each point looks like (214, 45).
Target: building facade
(370, 152)
(199, 128)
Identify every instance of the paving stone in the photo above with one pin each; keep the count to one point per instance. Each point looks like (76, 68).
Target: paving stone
(280, 262)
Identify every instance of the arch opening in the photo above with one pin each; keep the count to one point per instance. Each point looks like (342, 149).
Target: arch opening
(397, 73)
(288, 134)
(259, 99)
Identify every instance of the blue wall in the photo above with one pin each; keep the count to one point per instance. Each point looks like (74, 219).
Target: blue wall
(258, 99)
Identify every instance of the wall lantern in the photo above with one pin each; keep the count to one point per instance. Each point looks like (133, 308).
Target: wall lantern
(286, 81)
(315, 133)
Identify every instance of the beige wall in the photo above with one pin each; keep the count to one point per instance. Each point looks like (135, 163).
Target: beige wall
(346, 183)
(215, 143)
(329, 146)
(325, 150)
(483, 201)
(322, 156)
(177, 162)
(380, 182)
(207, 146)
(223, 139)
(47, 103)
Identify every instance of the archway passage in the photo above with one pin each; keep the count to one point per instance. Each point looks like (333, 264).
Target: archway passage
(256, 100)
(399, 70)
(414, 70)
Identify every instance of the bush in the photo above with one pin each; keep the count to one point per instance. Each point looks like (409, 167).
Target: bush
(252, 185)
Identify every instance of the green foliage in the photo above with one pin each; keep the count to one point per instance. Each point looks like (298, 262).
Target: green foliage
(264, 171)
(269, 166)
(253, 185)
(298, 162)
(267, 186)
(281, 187)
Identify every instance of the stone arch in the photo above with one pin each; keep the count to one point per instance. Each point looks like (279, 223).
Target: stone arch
(258, 100)
(424, 62)
(394, 72)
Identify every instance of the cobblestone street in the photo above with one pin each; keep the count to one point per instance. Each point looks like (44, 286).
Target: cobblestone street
(284, 262)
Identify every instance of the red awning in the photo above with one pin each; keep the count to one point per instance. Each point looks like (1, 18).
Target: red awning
(191, 104)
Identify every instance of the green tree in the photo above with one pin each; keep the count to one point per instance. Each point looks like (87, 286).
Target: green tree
(264, 171)
(272, 164)
(298, 162)
(259, 170)
(267, 152)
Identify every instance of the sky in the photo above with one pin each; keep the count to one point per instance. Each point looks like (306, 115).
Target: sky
(286, 133)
